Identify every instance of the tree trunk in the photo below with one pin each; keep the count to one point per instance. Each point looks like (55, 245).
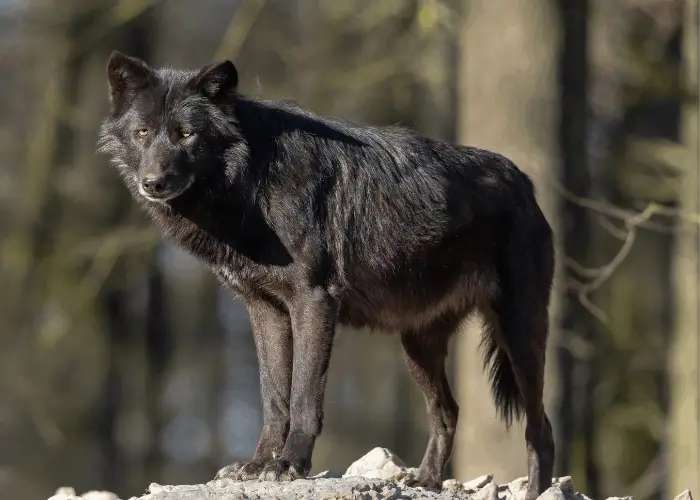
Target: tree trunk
(507, 94)
(684, 366)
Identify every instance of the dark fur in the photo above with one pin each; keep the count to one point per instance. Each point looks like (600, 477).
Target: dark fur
(313, 221)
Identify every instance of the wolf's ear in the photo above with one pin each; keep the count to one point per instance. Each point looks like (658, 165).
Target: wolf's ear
(216, 79)
(126, 75)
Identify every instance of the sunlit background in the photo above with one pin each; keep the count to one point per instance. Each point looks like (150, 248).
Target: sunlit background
(124, 362)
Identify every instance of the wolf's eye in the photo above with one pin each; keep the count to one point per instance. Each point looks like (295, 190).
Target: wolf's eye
(185, 134)
(142, 132)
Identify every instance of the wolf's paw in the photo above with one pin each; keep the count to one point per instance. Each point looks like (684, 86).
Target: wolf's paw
(424, 479)
(241, 471)
(281, 469)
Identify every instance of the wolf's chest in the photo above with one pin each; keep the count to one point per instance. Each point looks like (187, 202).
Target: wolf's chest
(247, 278)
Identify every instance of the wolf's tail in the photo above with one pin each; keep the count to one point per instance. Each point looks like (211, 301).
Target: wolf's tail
(526, 271)
(504, 388)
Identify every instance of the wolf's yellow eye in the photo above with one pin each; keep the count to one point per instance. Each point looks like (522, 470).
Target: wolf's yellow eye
(142, 132)
(185, 134)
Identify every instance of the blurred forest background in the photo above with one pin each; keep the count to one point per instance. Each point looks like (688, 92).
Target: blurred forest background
(123, 361)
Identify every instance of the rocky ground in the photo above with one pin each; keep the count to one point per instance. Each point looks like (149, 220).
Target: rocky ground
(377, 475)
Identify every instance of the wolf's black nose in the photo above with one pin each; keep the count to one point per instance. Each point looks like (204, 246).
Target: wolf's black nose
(154, 184)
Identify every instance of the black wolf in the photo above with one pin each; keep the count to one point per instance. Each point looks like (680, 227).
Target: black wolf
(314, 221)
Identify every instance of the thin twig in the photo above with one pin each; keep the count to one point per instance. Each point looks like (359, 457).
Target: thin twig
(617, 212)
(611, 228)
(601, 274)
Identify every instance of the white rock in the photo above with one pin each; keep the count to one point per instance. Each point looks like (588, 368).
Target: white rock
(686, 495)
(477, 483)
(379, 463)
(488, 492)
(99, 495)
(155, 488)
(553, 493)
(567, 487)
(518, 488)
(519, 484)
(451, 483)
(620, 498)
(452, 486)
(326, 474)
(65, 493)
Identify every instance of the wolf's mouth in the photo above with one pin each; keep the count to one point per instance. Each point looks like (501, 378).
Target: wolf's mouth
(173, 190)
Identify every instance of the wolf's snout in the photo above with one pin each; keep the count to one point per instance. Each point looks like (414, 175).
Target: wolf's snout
(154, 185)
(163, 186)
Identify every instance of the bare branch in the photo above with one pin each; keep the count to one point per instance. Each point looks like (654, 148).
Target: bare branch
(615, 212)
(602, 274)
(611, 228)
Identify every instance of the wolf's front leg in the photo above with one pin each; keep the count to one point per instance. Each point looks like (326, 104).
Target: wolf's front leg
(273, 341)
(313, 324)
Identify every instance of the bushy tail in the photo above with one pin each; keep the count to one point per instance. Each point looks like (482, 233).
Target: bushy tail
(526, 269)
(504, 389)
(525, 262)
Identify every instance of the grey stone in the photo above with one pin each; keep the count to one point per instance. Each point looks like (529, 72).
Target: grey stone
(685, 495)
(325, 475)
(488, 492)
(477, 483)
(378, 463)
(99, 495)
(566, 486)
(65, 493)
(379, 475)
(452, 486)
(518, 488)
(553, 493)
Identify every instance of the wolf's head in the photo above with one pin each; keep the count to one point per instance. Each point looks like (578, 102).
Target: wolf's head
(167, 128)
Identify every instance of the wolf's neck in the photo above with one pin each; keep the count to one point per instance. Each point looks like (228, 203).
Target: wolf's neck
(219, 232)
